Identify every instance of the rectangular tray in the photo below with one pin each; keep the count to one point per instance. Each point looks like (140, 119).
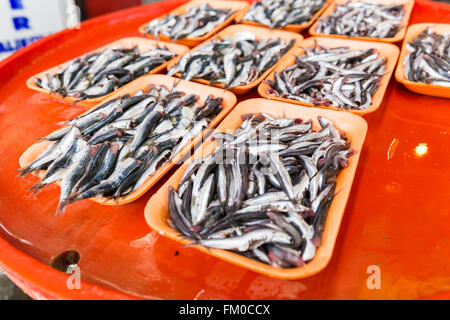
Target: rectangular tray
(229, 101)
(419, 87)
(142, 43)
(289, 27)
(261, 33)
(386, 50)
(408, 6)
(156, 211)
(237, 6)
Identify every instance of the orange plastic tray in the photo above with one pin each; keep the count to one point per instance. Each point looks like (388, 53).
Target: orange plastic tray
(400, 76)
(229, 100)
(396, 218)
(237, 6)
(355, 128)
(289, 27)
(386, 50)
(407, 4)
(261, 33)
(142, 43)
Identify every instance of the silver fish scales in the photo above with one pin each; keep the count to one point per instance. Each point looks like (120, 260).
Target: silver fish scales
(196, 22)
(263, 205)
(97, 74)
(278, 14)
(114, 149)
(339, 77)
(428, 59)
(363, 19)
(234, 61)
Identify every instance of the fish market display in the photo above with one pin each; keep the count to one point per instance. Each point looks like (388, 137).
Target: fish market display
(233, 62)
(265, 190)
(114, 149)
(278, 14)
(100, 73)
(428, 59)
(196, 22)
(339, 77)
(363, 19)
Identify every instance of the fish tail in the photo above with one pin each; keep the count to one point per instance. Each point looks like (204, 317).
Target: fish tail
(72, 198)
(61, 207)
(61, 123)
(33, 187)
(115, 197)
(317, 240)
(23, 171)
(36, 187)
(195, 242)
(84, 188)
(128, 154)
(83, 97)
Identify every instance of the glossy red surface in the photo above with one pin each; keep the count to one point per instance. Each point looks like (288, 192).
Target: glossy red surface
(99, 7)
(396, 218)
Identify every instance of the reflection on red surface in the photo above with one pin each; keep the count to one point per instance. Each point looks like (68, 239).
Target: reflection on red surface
(397, 216)
(96, 8)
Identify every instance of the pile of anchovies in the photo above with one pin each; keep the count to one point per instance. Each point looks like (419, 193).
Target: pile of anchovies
(234, 61)
(196, 22)
(114, 149)
(265, 190)
(339, 77)
(363, 19)
(428, 59)
(277, 14)
(100, 73)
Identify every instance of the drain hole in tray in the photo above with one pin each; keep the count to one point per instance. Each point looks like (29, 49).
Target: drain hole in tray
(66, 259)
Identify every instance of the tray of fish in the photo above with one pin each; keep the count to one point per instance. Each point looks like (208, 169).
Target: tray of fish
(117, 150)
(93, 77)
(267, 191)
(291, 15)
(371, 20)
(193, 22)
(237, 58)
(424, 64)
(333, 73)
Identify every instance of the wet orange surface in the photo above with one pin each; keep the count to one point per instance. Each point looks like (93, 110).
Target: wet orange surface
(396, 217)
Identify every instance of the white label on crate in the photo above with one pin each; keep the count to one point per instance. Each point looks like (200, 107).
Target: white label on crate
(24, 21)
